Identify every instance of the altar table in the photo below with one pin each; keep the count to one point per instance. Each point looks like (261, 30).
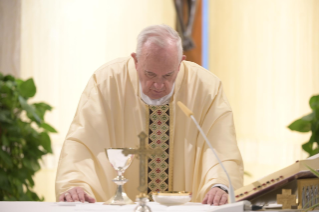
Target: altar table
(84, 207)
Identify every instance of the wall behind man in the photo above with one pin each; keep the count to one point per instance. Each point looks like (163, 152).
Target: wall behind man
(64, 41)
(10, 19)
(266, 53)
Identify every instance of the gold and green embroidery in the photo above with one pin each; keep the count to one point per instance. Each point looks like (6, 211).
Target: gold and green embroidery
(159, 136)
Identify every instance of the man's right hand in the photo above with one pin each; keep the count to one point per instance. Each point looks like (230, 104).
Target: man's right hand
(76, 194)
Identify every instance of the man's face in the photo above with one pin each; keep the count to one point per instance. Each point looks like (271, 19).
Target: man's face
(157, 70)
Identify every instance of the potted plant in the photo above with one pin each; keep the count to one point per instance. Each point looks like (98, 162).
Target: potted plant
(308, 123)
(24, 138)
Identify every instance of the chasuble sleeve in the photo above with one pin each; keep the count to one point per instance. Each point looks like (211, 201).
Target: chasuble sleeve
(83, 162)
(76, 163)
(206, 98)
(218, 123)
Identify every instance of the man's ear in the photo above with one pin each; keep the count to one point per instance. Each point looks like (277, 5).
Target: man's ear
(134, 56)
(183, 57)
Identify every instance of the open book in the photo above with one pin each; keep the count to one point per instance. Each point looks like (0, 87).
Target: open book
(265, 190)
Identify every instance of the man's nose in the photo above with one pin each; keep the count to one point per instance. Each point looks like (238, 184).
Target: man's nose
(158, 85)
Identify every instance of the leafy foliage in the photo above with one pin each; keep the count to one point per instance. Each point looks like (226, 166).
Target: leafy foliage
(314, 172)
(24, 138)
(308, 123)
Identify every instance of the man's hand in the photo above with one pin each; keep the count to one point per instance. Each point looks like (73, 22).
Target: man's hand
(216, 196)
(76, 194)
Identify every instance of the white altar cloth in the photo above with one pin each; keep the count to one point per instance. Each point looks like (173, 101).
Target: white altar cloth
(153, 205)
(82, 207)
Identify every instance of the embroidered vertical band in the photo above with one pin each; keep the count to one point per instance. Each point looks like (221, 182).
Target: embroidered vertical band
(159, 136)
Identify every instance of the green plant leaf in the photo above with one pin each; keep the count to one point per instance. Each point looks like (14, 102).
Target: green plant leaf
(48, 127)
(313, 171)
(19, 82)
(312, 207)
(5, 89)
(5, 116)
(31, 164)
(310, 117)
(247, 174)
(46, 141)
(6, 158)
(3, 178)
(308, 147)
(41, 108)
(300, 125)
(27, 88)
(30, 180)
(4, 139)
(29, 109)
(314, 151)
(35, 165)
(315, 137)
(8, 78)
(314, 102)
(10, 84)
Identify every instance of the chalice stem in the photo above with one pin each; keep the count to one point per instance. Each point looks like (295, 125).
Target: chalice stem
(120, 194)
(120, 197)
(120, 163)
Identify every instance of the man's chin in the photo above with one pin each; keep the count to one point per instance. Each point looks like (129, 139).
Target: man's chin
(156, 96)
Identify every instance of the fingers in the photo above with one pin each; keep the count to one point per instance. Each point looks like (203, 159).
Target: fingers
(88, 198)
(61, 198)
(224, 199)
(80, 193)
(76, 194)
(210, 196)
(205, 199)
(216, 196)
(219, 198)
(68, 197)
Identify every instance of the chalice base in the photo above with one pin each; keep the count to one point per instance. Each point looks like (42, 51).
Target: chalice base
(120, 198)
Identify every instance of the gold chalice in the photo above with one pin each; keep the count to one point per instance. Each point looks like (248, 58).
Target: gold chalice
(120, 163)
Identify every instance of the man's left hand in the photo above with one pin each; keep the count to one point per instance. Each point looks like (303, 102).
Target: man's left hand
(216, 196)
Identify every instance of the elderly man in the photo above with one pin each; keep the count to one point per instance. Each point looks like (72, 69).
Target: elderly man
(129, 95)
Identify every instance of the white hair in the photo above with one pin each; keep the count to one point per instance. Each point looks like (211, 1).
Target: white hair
(160, 35)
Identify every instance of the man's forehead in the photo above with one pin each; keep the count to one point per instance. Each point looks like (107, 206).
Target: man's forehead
(152, 51)
(160, 72)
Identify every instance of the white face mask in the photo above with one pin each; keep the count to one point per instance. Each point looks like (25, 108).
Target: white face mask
(161, 101)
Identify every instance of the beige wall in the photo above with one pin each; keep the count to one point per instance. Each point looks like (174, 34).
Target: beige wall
(64, 41)
(10, 15)
(266, 52)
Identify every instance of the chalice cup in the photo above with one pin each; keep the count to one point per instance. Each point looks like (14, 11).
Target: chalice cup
(120, 163)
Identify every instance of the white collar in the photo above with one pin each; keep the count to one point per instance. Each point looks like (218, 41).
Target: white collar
(161, 101)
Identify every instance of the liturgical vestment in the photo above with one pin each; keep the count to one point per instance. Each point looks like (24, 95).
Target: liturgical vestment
(111, 114)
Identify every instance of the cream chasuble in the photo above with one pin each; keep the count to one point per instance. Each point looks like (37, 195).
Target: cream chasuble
(111, 114)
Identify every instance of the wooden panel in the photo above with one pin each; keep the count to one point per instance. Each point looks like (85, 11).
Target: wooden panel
(195, 55)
